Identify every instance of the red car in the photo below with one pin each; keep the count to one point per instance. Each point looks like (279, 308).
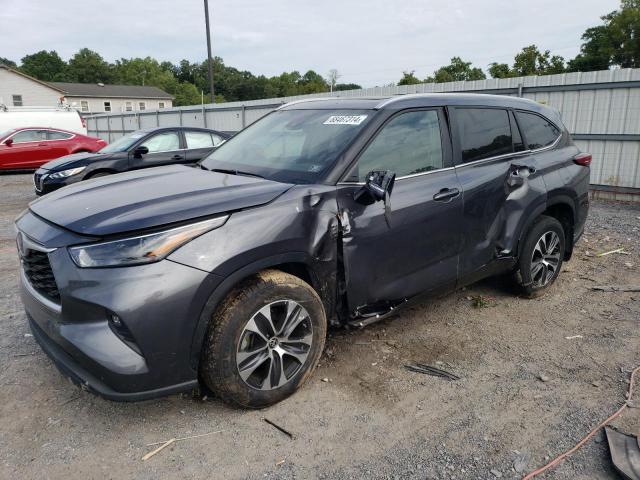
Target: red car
(28, 148)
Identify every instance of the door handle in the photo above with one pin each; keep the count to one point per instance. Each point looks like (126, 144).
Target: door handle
(177, 157)
(522, 170)
(446, 194)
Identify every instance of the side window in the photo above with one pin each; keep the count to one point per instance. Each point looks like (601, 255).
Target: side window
(538, 131)
(408, 144)
(162, 142)
(198, 139)
(29, 136)
(55, 135)
(216, 139)
(484, 132)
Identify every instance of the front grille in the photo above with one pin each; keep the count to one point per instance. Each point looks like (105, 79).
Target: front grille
(38, 271)
(37, 179)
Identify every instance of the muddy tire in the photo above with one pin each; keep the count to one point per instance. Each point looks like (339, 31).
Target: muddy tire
(264, 340)
(541, 256)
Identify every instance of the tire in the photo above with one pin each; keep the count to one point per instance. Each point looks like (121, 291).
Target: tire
(541, 256)
(241, 356)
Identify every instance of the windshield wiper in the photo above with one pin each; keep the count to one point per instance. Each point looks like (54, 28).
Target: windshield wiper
(234, 172)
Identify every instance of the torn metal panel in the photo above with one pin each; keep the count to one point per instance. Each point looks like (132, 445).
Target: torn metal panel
(625, 453)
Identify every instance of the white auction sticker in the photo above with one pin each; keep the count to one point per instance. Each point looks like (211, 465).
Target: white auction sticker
(345, 120)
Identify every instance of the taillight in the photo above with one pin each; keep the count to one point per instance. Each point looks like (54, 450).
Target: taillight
(583, 159)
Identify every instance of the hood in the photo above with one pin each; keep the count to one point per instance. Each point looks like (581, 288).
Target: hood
(150, 198)
(74, 160)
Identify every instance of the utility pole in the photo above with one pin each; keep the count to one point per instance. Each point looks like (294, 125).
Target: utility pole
(209, 58)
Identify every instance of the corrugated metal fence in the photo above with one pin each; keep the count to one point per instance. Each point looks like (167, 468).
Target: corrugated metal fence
(601, 110)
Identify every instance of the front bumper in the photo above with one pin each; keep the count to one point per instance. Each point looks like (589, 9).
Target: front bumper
(159, 303)
(86, 380)
(44, 184)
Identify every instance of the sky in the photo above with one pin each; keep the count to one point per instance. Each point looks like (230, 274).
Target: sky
(369, 42)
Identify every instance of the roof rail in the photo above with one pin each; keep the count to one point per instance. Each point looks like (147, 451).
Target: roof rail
(305, 100)
(397, 97)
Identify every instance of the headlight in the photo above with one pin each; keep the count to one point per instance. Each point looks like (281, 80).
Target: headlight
(142, 249)
(66, 173)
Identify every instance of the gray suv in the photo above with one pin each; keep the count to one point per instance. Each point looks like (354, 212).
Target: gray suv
(324, 212)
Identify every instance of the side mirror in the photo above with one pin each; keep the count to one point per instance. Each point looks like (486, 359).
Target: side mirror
(378, 186)
(139, 151)
(8, 142)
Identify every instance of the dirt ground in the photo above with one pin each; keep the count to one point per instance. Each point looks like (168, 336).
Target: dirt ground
(362, 415)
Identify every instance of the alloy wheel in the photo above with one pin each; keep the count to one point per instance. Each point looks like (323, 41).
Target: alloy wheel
(274, 345)
(545, 259)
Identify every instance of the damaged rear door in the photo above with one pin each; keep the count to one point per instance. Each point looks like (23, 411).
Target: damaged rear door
(501, 182)
(411, 244)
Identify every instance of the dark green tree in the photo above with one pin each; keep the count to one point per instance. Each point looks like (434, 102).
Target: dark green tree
(88, 66)
(346, 86)
(8, 63)
(596, 52)
(45, 66)
(456, 71)
(529, 61)
(499, 70)
(615, 43)
(409, 78)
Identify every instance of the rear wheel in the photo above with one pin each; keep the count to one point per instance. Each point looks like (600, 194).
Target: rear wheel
(264, 340)
(541, 256)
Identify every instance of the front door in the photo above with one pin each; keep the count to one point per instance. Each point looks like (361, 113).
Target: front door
(411, 246)
(29, 149)
(164, 149)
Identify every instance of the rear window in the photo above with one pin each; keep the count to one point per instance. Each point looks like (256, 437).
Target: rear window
(198, 139)
(537, 130)
(53, 135)
(484, 132)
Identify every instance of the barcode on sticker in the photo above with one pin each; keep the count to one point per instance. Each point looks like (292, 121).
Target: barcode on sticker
(345, 120)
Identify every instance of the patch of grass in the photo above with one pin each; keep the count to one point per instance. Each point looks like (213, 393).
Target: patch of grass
(480, 301)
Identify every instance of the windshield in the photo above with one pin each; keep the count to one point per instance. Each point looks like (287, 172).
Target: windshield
(6, 133)
(123, 143)
(291, 146)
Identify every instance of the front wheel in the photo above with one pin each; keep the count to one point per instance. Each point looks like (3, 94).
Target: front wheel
(541, 256)
(264, 340)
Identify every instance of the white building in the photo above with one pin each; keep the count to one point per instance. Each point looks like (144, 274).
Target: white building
(20, 90)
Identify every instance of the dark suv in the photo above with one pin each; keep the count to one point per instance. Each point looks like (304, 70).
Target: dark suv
(151, 147)
(329, 211)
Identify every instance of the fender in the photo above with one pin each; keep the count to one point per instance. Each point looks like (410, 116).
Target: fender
(326, 290)
(556, 199)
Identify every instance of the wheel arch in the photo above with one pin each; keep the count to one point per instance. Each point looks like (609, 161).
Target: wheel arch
(93, 173)
(298, 264)
(560, 207)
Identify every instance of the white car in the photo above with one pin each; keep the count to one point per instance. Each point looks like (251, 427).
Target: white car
(44, 117)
